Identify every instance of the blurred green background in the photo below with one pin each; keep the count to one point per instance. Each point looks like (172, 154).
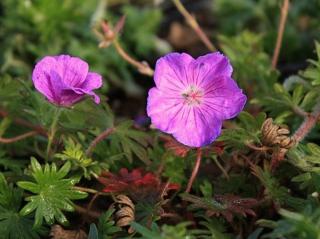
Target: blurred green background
(31, 29)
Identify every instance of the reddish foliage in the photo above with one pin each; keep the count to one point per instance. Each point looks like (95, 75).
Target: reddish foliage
(216, 148)
(137, 184)
(182, 150)
(174, 146)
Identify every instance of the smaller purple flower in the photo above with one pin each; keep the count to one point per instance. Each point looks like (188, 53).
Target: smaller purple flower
(65, 80)
(192, 97)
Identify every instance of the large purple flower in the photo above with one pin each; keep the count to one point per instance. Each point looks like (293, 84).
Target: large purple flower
(193, 96)
(65, 80)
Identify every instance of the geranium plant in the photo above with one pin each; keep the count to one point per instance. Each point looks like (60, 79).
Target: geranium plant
(119, 120)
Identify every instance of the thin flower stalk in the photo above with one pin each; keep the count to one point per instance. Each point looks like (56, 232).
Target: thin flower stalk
(52, 131)
(18, 138)
(109, 36)
(307, 125)
(194, 25)
(282, 23)
(224, 172)
(142, 67)
(194, 171)
(98, 139)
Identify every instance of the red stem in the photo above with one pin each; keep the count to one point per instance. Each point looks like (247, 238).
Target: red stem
(194, 171)
(309, 122)
(98, 139)
(17, 138)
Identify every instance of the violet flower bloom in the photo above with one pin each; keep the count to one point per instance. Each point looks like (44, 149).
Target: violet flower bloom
(193, 96)
(65, 80)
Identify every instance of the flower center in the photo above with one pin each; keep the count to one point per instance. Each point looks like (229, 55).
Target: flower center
(192, 96)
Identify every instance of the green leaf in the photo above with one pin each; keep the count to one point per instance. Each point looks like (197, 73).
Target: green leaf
(302, 225)
(247, 130)
(309, 99)
(206, 189)
(106, 225)
(53, 193)
(216, 230)
(93, 232)
(178, 231)
(256, 233)
(302, 177)
(298, 94)
(75, 155)
(312, 73)
(307, 159)
(11, 164)
(12, 224)
(240, 48)
(32, 187)
(130, 141)
(275, 191)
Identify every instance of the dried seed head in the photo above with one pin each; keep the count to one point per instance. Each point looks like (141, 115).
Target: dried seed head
(275, 135)
(125, 211)
(283, 131)
(124, 200)
(269, 132)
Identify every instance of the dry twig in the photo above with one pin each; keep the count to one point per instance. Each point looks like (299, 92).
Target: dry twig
(194, 25)
(282, 23)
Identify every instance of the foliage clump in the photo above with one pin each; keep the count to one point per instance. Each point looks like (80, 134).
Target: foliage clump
(103, 171)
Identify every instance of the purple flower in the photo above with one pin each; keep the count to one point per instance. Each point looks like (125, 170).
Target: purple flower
(65, 80)
(193, 96)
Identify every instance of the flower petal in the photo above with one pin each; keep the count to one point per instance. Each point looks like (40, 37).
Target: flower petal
(197, 127)
(171, 72)
(80, 91)
(210, 66)
(46, 79)
(162, 108)
(95, 97)
(92, 81)
(74, 70)
(190, 125)
(69, 97)
(224, 98)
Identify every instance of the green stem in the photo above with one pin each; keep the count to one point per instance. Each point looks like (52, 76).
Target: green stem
(53, 130)
(89, 190)
(220, 167)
